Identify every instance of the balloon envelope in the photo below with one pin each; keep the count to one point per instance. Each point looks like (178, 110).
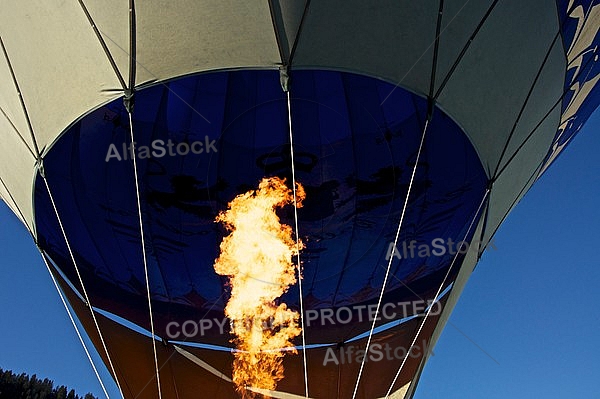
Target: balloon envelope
(494, 97)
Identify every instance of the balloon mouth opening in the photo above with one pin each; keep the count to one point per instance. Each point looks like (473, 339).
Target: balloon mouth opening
(201, 140)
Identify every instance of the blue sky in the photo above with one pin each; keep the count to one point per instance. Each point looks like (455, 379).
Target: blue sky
(531, 304)
(526, 325)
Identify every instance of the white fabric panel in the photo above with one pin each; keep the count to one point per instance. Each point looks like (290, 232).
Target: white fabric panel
(179, 37)
(400, 393)
(517, 174)
(10, 106)
(458, 24)
(111, 17)
(374, 38)
(287, 16)
(58, 63)
(16, 169)
(492, 81)
(546, 93)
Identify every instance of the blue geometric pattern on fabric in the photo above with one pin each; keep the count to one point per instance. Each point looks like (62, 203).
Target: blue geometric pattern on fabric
(579, 29)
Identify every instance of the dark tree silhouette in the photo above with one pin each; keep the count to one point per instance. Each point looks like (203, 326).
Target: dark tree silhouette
(22, 386)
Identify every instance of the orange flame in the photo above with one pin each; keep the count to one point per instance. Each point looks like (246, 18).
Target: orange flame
(257, 257)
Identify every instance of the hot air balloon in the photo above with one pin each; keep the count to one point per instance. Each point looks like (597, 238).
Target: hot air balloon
(413, 127)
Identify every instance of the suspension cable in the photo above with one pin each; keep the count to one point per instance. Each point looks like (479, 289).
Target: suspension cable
(389, 266)
(289, 108)
(85, 294)
(437, 294)
(143, 241)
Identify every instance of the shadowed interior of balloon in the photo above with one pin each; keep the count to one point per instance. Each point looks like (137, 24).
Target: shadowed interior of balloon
(211, 137)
